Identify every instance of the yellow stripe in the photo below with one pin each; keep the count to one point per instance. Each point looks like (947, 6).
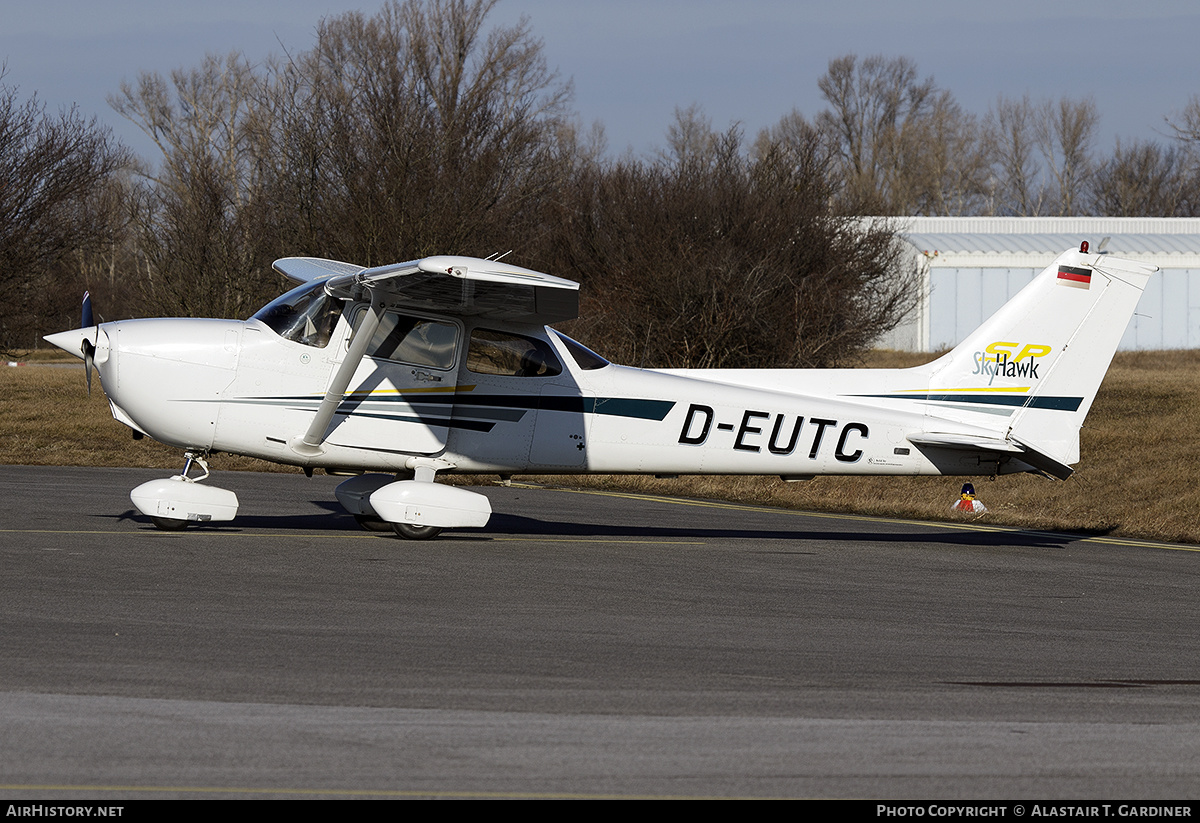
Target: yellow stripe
(373, 392)
(985, 389)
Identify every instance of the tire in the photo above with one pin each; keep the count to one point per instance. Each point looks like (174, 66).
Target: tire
(168, 524)
(410, 532)
(372, 523)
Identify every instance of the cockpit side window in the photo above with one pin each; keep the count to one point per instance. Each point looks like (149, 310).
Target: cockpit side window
(305, 315)
(415, 340)
(496, 352)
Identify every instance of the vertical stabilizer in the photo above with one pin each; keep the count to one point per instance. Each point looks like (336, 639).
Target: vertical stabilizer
(1031, 371)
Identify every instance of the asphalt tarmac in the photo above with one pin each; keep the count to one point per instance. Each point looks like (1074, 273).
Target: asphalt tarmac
(582, 645)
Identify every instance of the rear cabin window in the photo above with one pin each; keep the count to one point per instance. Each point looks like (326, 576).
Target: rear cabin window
(585, 357)
(514, 355)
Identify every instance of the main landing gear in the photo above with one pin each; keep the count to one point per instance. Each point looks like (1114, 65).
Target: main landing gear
(408, 531)
(415, 508)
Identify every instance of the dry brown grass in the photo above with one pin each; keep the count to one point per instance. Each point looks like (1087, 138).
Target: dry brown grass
(48, 419)
(1137, 477)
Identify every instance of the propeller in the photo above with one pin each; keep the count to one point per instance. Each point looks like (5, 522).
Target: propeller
(88, 346)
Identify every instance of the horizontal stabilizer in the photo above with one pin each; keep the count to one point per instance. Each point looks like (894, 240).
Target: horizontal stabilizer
(970, 442)
(995, 446)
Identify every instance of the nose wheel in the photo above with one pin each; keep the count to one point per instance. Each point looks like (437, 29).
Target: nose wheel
(410, 532)
(168, 524)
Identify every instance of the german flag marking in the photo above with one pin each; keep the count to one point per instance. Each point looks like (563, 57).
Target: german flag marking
(1075, 277)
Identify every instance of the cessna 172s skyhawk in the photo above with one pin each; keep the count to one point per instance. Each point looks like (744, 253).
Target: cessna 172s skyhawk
(446, 364)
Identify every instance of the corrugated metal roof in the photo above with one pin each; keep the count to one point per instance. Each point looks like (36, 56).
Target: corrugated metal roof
(1128, 236)
(973, 264)
(1118, 244)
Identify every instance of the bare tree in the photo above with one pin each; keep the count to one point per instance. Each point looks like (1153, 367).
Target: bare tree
(793, 131)
(1186, 125)
(1143, 179)
(212, 114)
(869, 102)
(1064, 131)
(900, 145)
(943, 163)
(415, 131)
(690, 136)
(1009, 132)
(1186, 129)
(58, 175)
(1040, 155)
(202, 217)
(730, 262)
(429, 132)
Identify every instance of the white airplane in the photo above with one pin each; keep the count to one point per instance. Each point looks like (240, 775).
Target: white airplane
(446, 365)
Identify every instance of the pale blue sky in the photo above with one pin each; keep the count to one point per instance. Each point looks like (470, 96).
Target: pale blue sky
(634, 61)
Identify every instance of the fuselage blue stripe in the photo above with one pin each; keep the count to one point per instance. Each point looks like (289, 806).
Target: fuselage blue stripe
(1069, 404)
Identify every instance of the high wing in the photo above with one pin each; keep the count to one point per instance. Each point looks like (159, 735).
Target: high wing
(463, 286)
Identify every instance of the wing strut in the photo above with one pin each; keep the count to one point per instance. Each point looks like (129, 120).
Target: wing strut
(310, 445)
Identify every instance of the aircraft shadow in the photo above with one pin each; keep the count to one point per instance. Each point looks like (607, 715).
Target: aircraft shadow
(509, 524)
(333, 518)
(336, 519)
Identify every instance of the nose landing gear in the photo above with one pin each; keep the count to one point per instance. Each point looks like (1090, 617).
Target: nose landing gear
(172, 503)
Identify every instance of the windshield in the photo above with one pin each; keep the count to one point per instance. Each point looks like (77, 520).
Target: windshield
(305, 315)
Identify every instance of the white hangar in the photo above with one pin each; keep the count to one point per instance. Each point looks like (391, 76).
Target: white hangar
(967, 267)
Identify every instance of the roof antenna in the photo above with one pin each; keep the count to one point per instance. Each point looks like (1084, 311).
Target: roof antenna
(497, 256)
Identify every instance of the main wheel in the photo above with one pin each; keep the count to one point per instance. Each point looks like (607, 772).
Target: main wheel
(372, 523)
(168, 524)
(410, 532)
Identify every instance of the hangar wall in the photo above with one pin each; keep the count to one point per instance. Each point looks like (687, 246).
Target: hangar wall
(970, 266)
